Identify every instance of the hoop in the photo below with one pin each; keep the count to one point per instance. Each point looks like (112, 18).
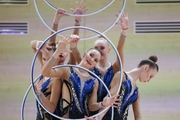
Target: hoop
(86, 14)
(90, 37)
(35, 56)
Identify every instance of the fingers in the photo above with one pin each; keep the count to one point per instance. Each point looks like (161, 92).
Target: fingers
(72, 10)
(80, 8)
(74, 37)
(38, 86)
(87, 118)
(69, 50)
(61, 12)
(65, 40)
(76, 4)
(115, 96)
(126, 15)
(81, 4)
(85, 10)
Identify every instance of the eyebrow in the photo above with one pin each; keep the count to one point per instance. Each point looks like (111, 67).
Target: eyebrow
(49, 49)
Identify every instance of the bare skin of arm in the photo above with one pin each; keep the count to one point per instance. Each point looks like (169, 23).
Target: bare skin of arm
(36, 43)
(107, 101)
(123, 22)
(39, 56)
(93, 105)
(113, 92)
(59, 13)
(47, 69)
(80, 9)
(136, 108)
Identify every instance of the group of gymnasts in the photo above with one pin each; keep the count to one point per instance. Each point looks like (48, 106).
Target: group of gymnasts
(73, 93)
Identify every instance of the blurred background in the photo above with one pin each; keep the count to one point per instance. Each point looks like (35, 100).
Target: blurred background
(154, 29)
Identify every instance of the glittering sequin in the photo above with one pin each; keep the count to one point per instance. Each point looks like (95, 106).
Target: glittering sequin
(80, 95)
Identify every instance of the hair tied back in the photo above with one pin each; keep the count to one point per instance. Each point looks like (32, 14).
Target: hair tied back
(153, 58)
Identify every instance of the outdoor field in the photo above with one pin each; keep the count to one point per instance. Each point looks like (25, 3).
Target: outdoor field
(160, 98)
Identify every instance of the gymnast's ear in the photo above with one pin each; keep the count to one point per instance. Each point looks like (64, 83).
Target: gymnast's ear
(145, 67)
(84, 54)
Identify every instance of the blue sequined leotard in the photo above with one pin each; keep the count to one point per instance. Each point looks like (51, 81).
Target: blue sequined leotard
(128, 95)
(81, 90)
(41, 113)
(107, 77)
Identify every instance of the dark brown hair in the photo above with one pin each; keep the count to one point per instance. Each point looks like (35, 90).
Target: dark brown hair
(95, 49)
(151, 62)
(53, 47)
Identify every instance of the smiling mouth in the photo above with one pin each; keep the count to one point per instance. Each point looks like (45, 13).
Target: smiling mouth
(61, 56)
(88, 62)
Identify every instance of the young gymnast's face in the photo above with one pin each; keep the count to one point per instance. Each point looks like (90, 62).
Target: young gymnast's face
(49, 52)
(147, 74)
(46, 54)
(103, 46)
(92, 57)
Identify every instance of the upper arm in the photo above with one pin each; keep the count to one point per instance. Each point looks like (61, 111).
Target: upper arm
(93, 97)
(120, 48)
(76, 54)
(55, 91)
(33, 45)
(136, 108)
(115, 83)
(53, 38)
(58, 72)
(72, 60)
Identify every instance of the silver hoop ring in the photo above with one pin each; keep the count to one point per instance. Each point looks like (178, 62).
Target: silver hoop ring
(90, 37)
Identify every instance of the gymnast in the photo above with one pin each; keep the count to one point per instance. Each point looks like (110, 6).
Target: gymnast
(129, 93)
(82, 98)
(45, 53)
(104, 69)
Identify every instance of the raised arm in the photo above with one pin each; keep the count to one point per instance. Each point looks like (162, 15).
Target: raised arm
(34, 44)
(123, 22)
(47, 69)
(80, 9)
(58, 15)
(136, 108)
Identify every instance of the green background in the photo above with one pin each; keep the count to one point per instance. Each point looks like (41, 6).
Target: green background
(159, 98)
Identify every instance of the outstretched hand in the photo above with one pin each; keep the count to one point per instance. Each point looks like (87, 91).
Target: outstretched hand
(123, 21)
(59, 13)
(110, 101)
(80, 9)
(61, 47)
(74, 40)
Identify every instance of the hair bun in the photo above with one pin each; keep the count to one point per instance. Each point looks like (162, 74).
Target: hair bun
(153, 58)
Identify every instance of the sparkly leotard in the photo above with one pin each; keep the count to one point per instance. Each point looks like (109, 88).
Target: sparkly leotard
(107, 77)
(128, 95)
(41, 113)
(81, 90)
